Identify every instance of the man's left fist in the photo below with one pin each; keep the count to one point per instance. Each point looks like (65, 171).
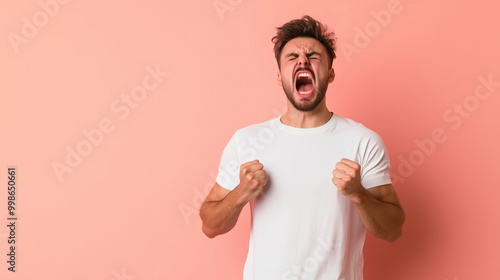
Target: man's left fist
(347, 178)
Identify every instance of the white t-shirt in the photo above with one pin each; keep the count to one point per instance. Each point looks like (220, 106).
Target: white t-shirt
(302, 227)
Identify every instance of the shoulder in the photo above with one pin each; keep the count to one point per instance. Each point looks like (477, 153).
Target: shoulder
(355, 129)
(262, 128)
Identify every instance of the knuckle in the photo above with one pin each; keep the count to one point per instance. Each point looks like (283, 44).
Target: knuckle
(253, 184)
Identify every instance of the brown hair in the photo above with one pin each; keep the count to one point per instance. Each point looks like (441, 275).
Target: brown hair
(304, 27)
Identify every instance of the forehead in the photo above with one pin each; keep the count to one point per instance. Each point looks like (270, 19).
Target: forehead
(305, 44)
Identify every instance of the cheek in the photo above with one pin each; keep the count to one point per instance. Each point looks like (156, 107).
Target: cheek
(286, 74)
(322, 74)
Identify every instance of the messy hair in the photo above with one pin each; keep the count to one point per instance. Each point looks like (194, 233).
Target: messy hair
(304, 27)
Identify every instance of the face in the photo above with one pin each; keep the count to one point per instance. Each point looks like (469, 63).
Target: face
(305, 73)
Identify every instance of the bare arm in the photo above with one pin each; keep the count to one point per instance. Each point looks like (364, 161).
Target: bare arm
(378, 207)
(221, 209)
(381, 212)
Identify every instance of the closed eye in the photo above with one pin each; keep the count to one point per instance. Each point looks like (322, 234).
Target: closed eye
(292, 56)
(310, 55)
(313, 55)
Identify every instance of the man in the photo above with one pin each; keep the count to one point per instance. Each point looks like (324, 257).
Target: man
(315, 181)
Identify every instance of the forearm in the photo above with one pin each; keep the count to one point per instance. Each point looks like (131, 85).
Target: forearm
(382, 219)
(219, 217)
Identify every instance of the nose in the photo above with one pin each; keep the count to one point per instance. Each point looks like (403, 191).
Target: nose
(303, 60)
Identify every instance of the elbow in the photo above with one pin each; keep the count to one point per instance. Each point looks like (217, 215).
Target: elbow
(393, 236)
(390, 234)
(208, 232)
(395, 233)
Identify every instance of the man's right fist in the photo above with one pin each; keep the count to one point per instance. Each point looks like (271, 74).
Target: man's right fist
(253, 178)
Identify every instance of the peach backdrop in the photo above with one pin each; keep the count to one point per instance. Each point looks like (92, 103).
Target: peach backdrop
(115, 115)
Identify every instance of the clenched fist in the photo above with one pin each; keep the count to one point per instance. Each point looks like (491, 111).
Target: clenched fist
(253, 178)
(347, 178)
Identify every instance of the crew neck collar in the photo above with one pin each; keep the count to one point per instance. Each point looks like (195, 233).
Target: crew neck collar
(311, 130)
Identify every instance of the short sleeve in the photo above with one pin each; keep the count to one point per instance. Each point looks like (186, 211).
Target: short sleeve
(374, 161)
(229, 167)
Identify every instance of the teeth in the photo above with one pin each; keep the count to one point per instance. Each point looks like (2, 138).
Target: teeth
(304, 75)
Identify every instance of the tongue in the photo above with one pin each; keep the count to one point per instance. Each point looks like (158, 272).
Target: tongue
(304, 88)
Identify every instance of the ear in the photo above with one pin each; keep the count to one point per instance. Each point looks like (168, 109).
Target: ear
(279, 79)
(331, 75)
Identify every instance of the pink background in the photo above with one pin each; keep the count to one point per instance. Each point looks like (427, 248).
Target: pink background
(128, 207)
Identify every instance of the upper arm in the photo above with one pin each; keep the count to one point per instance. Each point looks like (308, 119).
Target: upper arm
(385, 193)
(217, 193)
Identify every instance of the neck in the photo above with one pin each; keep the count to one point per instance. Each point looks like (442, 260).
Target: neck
(300, 119)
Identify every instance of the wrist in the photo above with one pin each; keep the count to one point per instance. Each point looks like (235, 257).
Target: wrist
(360, 196)
(240, 199)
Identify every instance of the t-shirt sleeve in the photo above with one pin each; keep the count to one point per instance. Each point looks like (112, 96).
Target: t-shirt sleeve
(228, 175)
(374, 161)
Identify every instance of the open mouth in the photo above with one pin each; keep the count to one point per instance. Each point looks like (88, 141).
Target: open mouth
(304, 83)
